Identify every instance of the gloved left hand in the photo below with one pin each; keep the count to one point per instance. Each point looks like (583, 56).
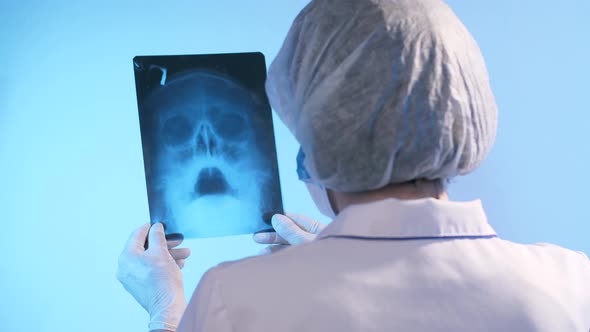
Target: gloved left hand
(152, 276)
(291, 229)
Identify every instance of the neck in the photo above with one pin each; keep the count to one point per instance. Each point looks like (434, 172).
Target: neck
(404, 191)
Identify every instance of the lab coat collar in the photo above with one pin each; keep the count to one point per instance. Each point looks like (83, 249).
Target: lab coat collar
(411, 219)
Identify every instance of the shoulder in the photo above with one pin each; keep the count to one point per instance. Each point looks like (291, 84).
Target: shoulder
(228, 289)
(563, 253)
(554, 249)
(248, 278)
(549, 256)
(264, 264)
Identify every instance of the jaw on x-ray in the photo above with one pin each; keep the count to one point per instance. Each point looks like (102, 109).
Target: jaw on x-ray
(207, 171)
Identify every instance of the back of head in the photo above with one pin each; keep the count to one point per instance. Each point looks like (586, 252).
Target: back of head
(379, 92)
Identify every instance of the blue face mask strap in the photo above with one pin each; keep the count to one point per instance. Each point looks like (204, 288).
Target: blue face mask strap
(304, 176)
(301, 171)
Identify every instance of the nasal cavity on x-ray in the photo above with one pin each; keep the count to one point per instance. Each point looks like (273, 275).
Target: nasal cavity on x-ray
(211, 181)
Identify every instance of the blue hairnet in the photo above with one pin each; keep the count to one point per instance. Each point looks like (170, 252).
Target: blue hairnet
(383, 91)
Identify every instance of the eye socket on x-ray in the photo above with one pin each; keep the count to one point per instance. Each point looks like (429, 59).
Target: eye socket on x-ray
(177, 130)
(231, 126)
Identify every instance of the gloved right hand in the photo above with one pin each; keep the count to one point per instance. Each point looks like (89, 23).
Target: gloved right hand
(152, 276)
(291, 229)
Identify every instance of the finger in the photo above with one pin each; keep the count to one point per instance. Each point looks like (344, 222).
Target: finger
(305, 222)
(180, 263)
(273, 248)
(288, 230)
(137, 238)
(269, 238)
(173, 243)
(180, 253)
(157, 238)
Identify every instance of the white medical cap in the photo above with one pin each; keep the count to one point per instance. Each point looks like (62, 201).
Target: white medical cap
(383, 91)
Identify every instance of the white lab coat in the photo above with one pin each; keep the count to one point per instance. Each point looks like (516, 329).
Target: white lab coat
(423, 265)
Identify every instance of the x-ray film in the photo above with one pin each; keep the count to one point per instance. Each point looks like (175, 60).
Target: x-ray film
(208, 143)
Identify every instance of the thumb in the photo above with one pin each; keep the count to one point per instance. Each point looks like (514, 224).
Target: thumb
(157, 238)
(137, 239)
(306, 223)
(289, 230)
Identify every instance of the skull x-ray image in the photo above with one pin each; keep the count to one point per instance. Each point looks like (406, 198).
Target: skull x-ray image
(208, 143)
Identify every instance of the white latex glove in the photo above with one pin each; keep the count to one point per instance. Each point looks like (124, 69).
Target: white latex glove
(152, 276)
(291, 229)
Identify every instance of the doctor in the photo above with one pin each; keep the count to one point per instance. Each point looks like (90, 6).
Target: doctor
(389, 99)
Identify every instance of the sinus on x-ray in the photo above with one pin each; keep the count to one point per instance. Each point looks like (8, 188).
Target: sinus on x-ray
(208, 143)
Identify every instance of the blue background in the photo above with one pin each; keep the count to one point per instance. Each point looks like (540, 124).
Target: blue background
(71, 172)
